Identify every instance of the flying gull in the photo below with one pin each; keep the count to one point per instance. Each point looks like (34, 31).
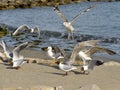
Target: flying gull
(67, 23)
(24, 27)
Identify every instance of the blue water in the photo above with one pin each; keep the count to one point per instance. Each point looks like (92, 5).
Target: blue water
(102, 22)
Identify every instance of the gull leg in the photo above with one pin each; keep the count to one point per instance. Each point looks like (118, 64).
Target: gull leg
(72, 35)
(66, 73)
(17, 67)
(68, 36)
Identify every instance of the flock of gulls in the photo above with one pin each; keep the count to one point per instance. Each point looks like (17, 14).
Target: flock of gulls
(83, 50)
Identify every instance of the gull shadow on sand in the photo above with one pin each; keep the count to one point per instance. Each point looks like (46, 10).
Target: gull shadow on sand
(78, 73)
(55, 73)
(54, 66)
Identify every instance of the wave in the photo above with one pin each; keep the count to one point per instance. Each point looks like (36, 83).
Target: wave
(45, 34)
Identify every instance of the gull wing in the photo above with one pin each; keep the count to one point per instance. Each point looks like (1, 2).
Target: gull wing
(6, 49)
(59, 50)
(36, 29)
(99, 49)
(56, 9)
(56, 48)
(79, 47)
(83, 12)
(17, 50)
(21, 29)
(18, 62)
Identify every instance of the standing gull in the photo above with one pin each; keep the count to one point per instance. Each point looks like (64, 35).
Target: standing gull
(53, 51)
(67, 64)
(24, 27)
(88, 63)
(68, 24)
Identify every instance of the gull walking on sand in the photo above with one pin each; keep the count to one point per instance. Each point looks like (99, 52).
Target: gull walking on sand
(24, 27)
(68, 24)
(67, 64)
(86, 56)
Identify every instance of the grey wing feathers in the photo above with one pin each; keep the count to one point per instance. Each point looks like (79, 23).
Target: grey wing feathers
(99, 49)
(60, 14)
(17, 50)
(21, 29)
(79, 47)
(75, 18)
(36, 29)
(89, 43)
(4, 46)
(58, 49)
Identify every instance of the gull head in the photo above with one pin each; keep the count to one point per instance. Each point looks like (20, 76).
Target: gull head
(57, 62)
(84, 68)
(31, 30)
(49, 48)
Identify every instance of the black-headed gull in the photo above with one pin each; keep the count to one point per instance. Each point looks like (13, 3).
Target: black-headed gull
(54, 52)
(67, 65)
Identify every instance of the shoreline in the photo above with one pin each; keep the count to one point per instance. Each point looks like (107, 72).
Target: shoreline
(13, 4)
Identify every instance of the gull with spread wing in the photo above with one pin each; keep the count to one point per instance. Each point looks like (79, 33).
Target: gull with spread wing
(68, 24)
(67, 64)
(6, 51)
(53, 51)
(24, 27)
(86, 56)
(17, 59)
(13, 56)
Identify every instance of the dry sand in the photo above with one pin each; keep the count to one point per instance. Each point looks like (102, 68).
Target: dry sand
(31, 74)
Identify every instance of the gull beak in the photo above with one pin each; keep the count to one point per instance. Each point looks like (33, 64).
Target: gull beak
(57, 62)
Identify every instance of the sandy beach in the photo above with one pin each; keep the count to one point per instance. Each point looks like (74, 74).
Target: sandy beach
(36, 74)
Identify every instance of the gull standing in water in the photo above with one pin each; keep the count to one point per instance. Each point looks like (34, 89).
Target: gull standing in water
(86, 56)
(68, 24)
(67, 64)
(24, 27)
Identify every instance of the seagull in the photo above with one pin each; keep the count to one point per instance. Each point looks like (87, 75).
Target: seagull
(68, 24)
(67, 64)
(6, 50)
(53, 51)
(3, 58)
(24, 27)
(88, 62)
(17, 59)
